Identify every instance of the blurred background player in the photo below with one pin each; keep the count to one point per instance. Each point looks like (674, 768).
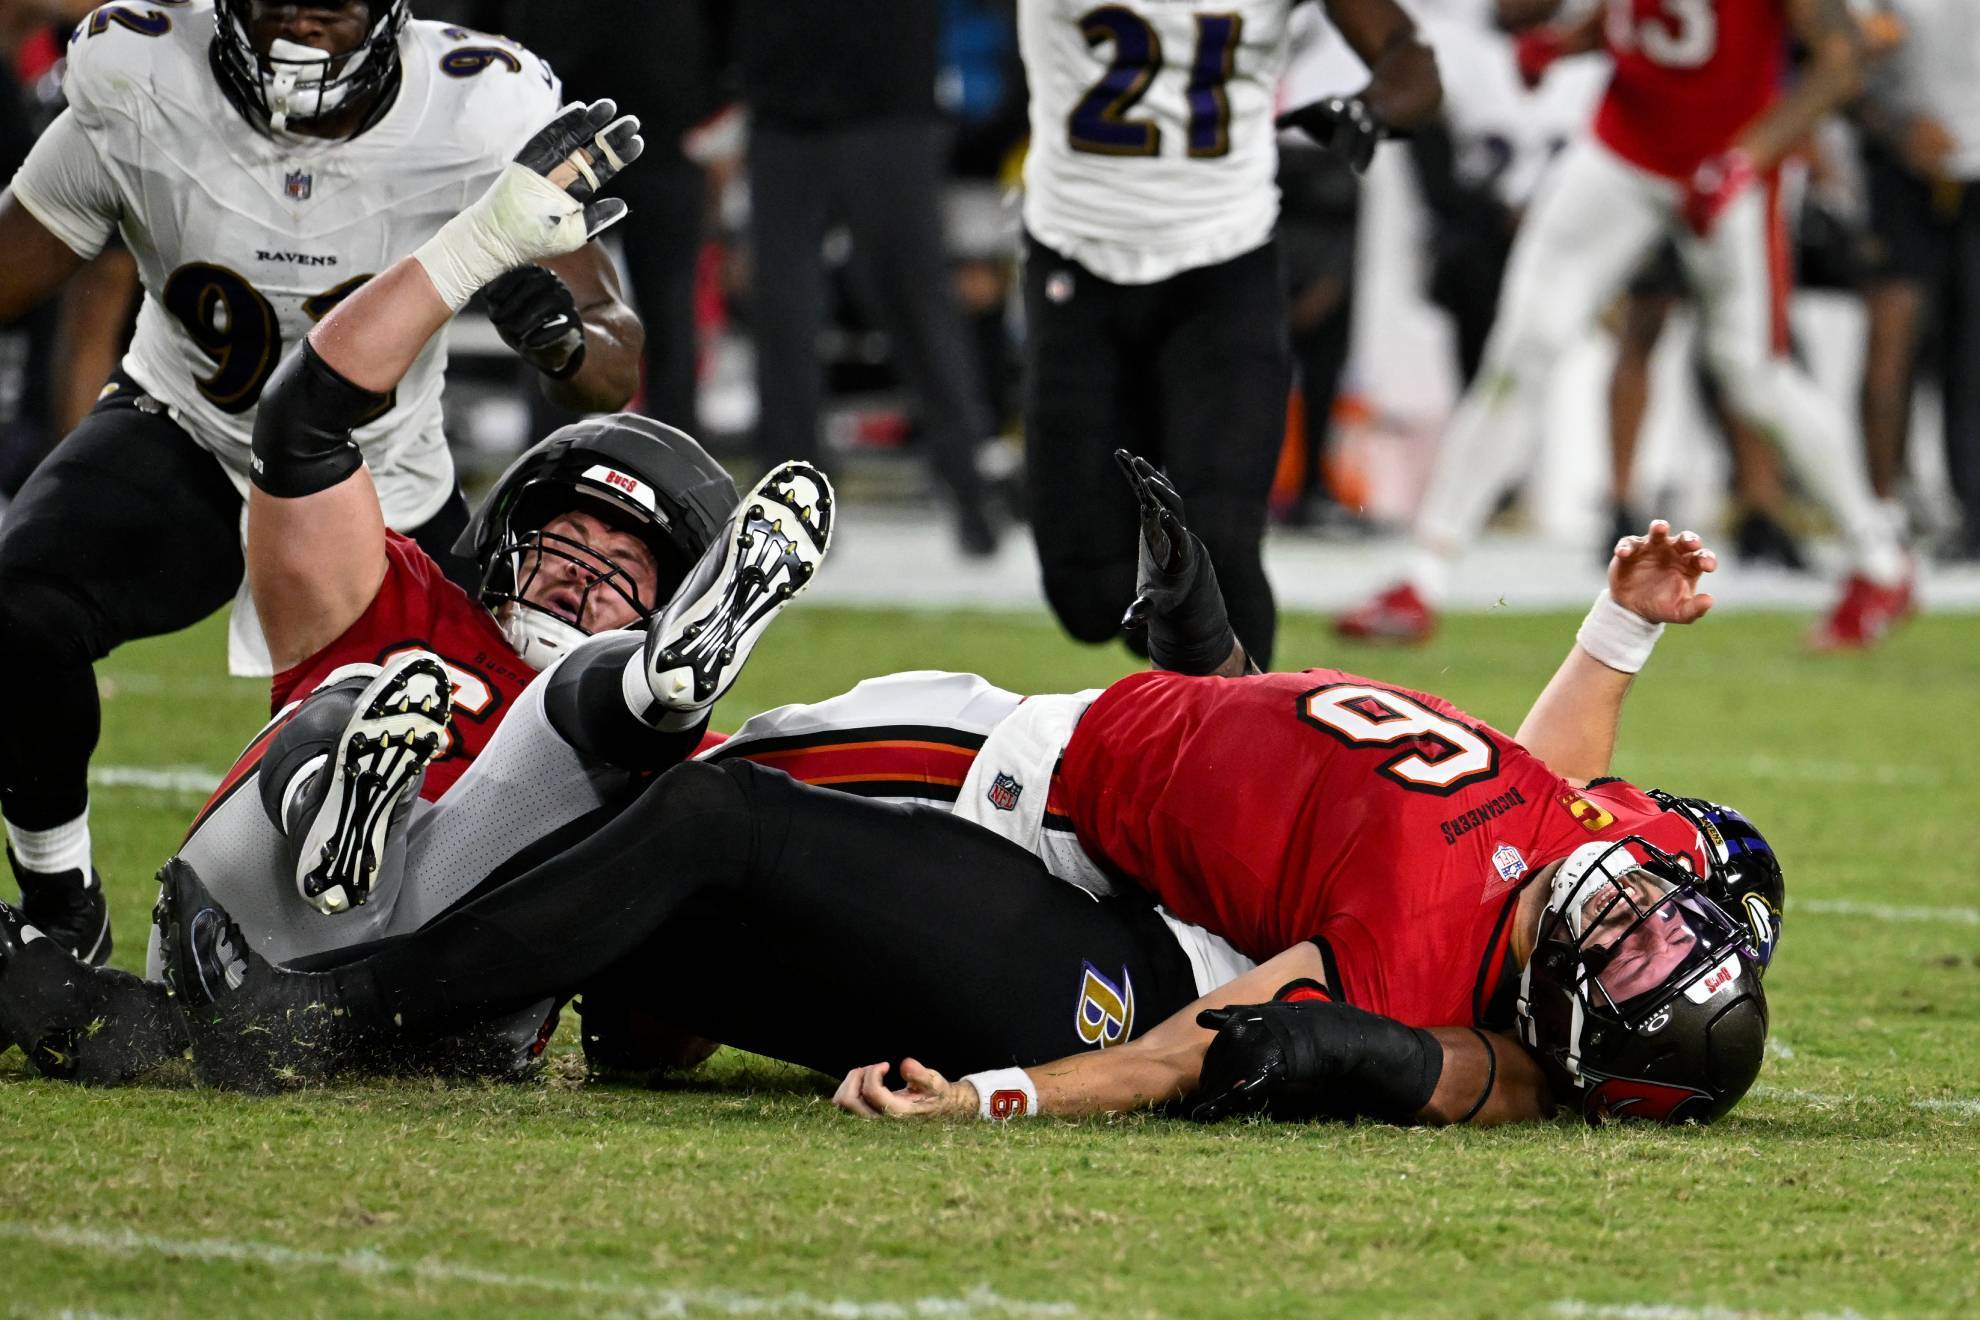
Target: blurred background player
(844, 126)
(1155, 309)
(260, 161)
(1922, 156)
(1684, 145)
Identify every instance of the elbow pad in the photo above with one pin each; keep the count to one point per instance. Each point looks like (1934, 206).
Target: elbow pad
(302, 428)
(1316, 1059)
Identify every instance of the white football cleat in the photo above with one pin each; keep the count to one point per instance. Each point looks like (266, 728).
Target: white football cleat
(765, 555)
(398, 726)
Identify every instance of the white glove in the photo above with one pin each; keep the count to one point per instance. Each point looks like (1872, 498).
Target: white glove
(541, 205)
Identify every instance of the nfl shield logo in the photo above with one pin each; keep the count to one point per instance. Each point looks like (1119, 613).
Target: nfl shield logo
(1508, 862)
(297, 185)
(1004, 793)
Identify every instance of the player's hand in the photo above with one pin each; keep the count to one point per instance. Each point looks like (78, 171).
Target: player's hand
(1655, 576)
(536, 316)
(1168, 559)
(1244, 1065)
(1342, 124)
(1713, 186)
(544, 203)
(927, 1094)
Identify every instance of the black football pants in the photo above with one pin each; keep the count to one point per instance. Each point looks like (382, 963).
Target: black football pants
(800, 923)
(128, 530)
(1190, 372)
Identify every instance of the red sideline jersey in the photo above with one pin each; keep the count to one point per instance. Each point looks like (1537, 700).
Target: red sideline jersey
(417, 608)
(1690, 74)
(1386, 825)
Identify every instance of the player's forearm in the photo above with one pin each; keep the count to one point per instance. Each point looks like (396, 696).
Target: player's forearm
(1573, 724)
(1832, 77)
(1404, 89)
(609, 375)
(1487, 1079)
(1139, 1075)
(1513, 15)
(372, 337)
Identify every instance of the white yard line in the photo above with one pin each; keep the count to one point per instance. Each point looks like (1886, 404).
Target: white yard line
(1849, 907)
(649, 1299)
(190, 779)
(1795, 1095)
(1575, 1309)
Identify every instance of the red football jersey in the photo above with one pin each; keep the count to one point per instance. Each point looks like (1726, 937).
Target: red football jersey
(417, 608)
(1386, 824)
(1690, 74)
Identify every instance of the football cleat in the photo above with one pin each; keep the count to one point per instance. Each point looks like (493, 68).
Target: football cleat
(1397, 615)
(252, 1026)
(767, 553)
(1866, 612)
(398, 725)
(68, 908)
(78, 1023)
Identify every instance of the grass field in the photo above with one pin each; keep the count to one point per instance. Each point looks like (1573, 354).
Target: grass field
(1846, 1184)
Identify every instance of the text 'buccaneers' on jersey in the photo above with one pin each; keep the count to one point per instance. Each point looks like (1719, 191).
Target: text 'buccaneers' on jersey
(1384, 823)
(244, 240)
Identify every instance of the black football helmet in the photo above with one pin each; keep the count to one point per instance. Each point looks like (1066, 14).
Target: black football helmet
(648, 477)
(296, 83)
(1745, 877)
(1642, 998)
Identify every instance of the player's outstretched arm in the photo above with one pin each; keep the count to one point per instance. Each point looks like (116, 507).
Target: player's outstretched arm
(1161, 1065)
(1653, 581)
(316, 537)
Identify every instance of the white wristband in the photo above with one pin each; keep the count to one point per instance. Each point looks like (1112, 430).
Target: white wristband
(521, 218)
(1619, 638)
(1003, 1093)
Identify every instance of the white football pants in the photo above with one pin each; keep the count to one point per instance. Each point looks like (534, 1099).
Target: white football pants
(1594, 221)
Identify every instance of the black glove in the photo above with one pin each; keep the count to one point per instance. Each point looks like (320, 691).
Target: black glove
(1176, 593)
(537, 317)
(1342, 124)
(1314, 1058)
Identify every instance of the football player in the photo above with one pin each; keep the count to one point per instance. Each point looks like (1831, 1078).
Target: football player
(395, 681)
(1155, 311)
(1188, 806)
(1684, 145)
(261, 161)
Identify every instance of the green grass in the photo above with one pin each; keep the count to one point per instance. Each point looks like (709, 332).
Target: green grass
(1848, 1183)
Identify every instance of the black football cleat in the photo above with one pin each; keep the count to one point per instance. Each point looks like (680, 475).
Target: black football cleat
(68, 908)
(397, 725)
(251, 1025)
(76, 1023)
(765, 555)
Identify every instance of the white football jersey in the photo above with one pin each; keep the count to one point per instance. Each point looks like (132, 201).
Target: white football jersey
(1152, 146)
(244, 241)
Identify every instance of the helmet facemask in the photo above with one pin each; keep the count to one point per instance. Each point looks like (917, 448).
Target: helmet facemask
(539, 632)
(1627, 944)
(294, 83)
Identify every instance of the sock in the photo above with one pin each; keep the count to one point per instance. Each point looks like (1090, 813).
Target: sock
(1430, 573)
(647, 709)
(53, 851)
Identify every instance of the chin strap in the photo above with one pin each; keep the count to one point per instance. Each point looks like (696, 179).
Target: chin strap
(540, 638)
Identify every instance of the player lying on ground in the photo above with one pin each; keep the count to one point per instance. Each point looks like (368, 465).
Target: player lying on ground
(905, 925)
(588, 531)
(259, 160)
